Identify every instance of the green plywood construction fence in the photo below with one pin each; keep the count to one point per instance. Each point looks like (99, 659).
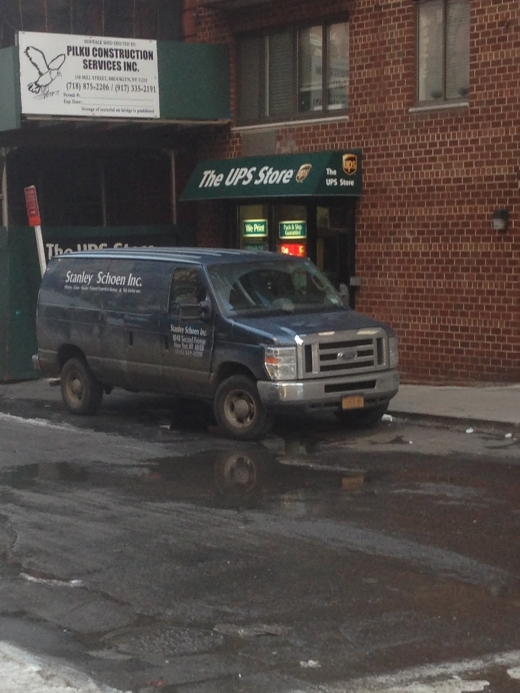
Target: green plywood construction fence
(19, 283)
(20, 279)
(4, 300)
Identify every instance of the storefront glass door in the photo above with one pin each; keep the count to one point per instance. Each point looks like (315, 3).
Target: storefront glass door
(323, 232)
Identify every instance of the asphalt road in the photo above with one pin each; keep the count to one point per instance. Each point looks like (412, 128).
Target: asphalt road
(145, 551)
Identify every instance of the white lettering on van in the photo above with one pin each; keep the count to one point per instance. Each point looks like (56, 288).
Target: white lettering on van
(107, 279)
(83, 278)
(135, 281)
(188, 340)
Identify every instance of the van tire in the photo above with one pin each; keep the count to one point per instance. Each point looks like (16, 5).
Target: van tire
(238, 409)
(362, 418)
(81, 392)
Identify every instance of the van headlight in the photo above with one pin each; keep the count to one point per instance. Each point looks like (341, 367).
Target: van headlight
(280, 363)
(392, 348)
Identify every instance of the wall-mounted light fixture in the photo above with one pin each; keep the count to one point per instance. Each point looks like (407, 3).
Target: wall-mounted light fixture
(500, 219)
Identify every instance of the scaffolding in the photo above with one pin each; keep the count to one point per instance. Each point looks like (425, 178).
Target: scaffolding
(146, 19)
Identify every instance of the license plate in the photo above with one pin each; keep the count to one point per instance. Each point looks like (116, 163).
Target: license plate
(352, 402)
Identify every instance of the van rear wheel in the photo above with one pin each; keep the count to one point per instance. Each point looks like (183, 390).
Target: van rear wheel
(239, 410)
(81, 392)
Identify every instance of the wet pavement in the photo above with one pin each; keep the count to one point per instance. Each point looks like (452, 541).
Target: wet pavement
(153, 554)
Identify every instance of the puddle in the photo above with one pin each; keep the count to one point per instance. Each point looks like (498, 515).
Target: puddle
(243, 475)
(298, 446)
(248, 475)
(446, 490)
(24, 476)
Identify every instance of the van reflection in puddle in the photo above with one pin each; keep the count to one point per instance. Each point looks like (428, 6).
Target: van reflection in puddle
(240, 475)
(246, 475)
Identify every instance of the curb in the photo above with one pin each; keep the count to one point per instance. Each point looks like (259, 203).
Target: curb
(447, 420)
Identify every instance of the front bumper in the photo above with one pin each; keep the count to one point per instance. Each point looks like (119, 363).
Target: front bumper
(376, 388)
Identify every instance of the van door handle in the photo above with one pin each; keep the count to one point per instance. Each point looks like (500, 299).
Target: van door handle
(131, 339)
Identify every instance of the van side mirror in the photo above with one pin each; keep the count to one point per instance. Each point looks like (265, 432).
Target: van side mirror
(205, 307)
(345, 294)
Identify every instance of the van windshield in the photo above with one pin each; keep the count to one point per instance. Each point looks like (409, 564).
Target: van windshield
(292, 286)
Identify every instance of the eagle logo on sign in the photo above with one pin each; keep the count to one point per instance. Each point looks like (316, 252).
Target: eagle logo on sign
(47, 71)
(349, 163)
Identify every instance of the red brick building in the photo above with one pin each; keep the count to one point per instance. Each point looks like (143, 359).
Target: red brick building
(429, 92)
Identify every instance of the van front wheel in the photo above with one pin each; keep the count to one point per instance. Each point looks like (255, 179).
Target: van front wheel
(80, 391)
(239, 410)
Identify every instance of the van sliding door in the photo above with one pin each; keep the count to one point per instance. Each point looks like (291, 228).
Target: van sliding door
(188, 335)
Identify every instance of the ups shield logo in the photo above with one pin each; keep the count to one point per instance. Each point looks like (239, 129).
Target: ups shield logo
(303, 172)
(349, 163)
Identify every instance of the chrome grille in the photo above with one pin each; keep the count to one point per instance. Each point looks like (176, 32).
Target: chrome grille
(343, 353)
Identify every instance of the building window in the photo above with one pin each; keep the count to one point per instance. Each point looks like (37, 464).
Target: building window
(294, 73)
(442, 50)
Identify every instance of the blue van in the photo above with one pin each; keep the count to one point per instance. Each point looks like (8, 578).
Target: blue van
(251, 332)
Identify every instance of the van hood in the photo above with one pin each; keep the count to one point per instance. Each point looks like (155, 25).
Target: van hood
(284, 327)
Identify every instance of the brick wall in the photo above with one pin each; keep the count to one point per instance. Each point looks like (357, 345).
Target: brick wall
(430, 262)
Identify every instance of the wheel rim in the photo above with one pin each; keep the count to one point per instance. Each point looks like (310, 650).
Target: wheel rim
(240, 409)
(74, 386)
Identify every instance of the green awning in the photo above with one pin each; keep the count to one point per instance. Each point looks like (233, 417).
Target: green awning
(335, 173)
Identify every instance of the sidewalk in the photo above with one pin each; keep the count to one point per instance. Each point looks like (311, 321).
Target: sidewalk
(493, 404)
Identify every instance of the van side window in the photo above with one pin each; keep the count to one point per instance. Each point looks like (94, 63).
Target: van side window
(187, 288)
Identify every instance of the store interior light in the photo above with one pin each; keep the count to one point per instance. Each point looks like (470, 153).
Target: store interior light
(296, 249)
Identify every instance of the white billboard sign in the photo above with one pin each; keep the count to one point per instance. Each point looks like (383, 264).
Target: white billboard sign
(88, 76)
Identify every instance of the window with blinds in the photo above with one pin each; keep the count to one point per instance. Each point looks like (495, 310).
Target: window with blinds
(442, 50)
(291, 74)
(249, 73)
(280, 78)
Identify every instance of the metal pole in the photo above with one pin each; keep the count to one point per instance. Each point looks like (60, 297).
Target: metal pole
(103, 192)
(41, 250)
(174, 191)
